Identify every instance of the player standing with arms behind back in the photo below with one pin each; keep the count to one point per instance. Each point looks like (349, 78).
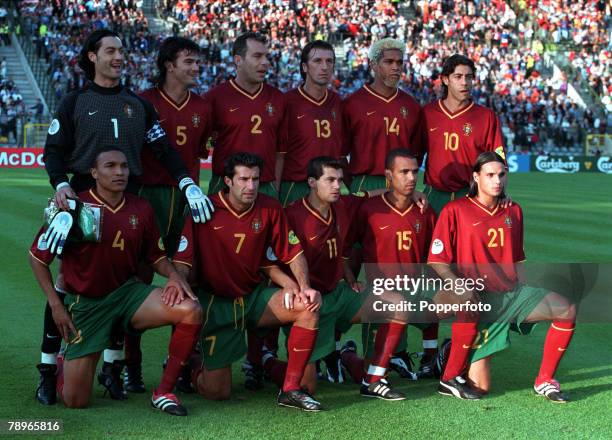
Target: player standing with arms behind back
(313, 123)
(456, 130)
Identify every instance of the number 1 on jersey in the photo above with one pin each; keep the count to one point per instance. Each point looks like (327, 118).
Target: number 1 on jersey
(115, 122)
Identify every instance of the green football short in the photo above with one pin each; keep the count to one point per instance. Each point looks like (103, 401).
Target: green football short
(216, 184)
(362, 183)
(95, 318)
(508, 312)
(170, 210)
(337, 311)
(225, 321)
(437, 199)
(292, 191)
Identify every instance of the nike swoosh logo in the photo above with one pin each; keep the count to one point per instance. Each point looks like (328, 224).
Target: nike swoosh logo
(466, 346)
(561, 349)
(233, 109)
(476, 224)
(217, 227)
(433, 129)
(383, 227)
(301, 349)
(301, 116)
(51, 337)
(313, 237)
(161, 120)
(371, 113)
(93, 113)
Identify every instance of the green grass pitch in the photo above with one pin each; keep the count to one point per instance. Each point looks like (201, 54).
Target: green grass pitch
(568, 219)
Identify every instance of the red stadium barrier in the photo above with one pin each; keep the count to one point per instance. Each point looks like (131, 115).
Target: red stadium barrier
(33, 158)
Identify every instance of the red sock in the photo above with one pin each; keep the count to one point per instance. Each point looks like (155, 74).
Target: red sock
(254, 348)
(430, 339)
(182, 342)
(387, 338)
(271, 340)
(59, 384)
(276, 369)
(557, 340)
(354, 364)
(463, 335)
(300, 344)
(133, 354)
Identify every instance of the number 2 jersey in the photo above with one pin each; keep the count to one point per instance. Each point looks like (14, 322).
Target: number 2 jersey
(129, 236)
(246, 122)
(480, 243)
(227, 252)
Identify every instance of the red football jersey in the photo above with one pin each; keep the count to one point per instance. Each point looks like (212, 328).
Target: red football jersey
(482, 243)
(188, 128)
(391, 238)
(129, 236)
(311, 128)
(245, 122)
(323, 241)
(373, 125)
(454, 141)
(231, 246)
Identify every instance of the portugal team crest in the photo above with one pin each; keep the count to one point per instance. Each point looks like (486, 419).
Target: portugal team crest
(467, 129)
(256, 225)
(417, 226)
(508, 221)
(128, 110)
(333, 114)
(404, 112)
(195, 119)
(270, 109)
(134, 221)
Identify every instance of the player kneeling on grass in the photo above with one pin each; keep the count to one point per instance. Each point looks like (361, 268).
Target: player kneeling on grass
(321, 221)
(484, 242)
(226, 254)
(103, 291)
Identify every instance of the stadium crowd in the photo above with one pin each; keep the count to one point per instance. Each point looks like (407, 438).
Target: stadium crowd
(535, 110)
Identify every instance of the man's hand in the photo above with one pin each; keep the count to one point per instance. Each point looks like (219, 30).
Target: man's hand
(421, 200)
(289, 295)
(63, 322)
(175, 290)
(311, 298)
(58, 230)
(200, 205)
(62, 194)
(504, 203)
(357, 286)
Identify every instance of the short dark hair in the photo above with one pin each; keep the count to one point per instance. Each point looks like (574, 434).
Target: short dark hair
(449, 65)
(315, 168)
(92, 44)
(398, 152)
(481, 160)
(240, 45)
(169, 50)
(105, 149)
(244, 159)
(316, 44)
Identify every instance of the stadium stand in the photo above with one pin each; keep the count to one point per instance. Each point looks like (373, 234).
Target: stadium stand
(540, 107)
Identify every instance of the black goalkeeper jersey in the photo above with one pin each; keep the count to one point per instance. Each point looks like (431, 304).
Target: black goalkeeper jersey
(96, 117)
